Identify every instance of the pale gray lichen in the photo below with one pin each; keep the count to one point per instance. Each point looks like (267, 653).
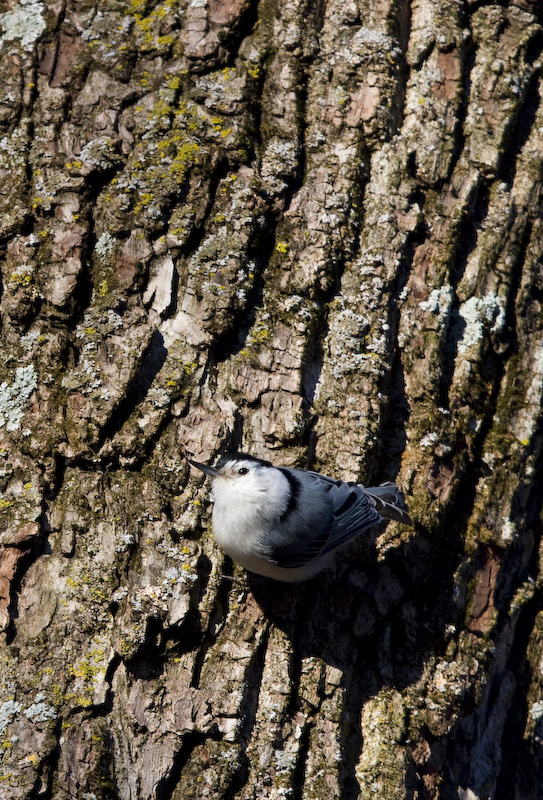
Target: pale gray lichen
(372, 36)
(429, 440)
(40, 711)
(475, 313)
(7, 711)
(24, 22)
(508, 532)
(97, 153)
(279, 163)
(349, 333)
(11, 155)
(125, 541)
(119, 595)
(13, 399)
(104, 245)
(439, 302)
(29, 340)
(114, 320)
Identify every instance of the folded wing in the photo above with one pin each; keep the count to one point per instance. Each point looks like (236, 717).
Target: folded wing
(334, 513)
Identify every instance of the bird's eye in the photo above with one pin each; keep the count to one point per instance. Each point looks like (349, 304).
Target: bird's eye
(243, 471)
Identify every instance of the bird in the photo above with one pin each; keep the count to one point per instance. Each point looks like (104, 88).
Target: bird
(286, 523)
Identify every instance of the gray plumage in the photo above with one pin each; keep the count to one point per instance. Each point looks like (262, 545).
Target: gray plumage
(285, 523)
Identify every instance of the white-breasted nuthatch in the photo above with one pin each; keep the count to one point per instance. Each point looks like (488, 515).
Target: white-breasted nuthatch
(285, 523)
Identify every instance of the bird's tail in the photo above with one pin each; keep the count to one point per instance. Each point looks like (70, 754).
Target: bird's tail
(389, 502)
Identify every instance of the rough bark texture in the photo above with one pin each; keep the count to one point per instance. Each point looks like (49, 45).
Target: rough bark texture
(312, 231)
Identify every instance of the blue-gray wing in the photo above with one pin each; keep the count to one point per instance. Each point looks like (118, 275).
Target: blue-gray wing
(333, 513)
(353, 513)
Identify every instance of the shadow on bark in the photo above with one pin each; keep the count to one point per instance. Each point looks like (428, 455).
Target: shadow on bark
(377, 622)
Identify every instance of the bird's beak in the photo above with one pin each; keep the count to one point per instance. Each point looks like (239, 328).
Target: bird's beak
(211, 472)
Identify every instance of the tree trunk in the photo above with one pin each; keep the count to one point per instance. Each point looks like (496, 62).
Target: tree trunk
(313, 232)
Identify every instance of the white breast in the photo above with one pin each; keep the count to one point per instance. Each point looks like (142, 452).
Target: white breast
(245, 509)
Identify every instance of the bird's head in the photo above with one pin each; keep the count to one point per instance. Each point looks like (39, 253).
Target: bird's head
(239, 474)
(236, 467)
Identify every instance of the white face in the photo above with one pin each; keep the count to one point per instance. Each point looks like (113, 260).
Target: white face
(247, 482)
(238, 469)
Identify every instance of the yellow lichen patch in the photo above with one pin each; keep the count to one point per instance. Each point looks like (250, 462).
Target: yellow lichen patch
(21, 278)
(174, 83)
(260, 334)
(144, 199)
(86, 671)
(183, 158)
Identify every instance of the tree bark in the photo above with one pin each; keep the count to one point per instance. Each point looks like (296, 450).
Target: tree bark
(313, 232)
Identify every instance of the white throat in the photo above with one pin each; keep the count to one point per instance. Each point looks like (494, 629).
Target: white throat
(245, 504)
